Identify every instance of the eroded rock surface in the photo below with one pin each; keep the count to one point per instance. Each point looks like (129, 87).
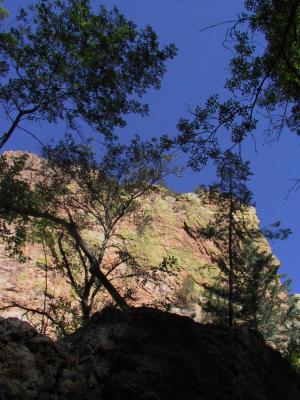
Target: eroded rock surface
(142, 354)
(167, 226)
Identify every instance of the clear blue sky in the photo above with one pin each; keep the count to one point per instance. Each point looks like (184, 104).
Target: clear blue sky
(198, 71)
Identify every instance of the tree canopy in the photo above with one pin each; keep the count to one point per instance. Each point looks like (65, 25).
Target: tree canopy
(69, 193)
(264, 76)
(63, 61)
(265, 68)
(3, 11)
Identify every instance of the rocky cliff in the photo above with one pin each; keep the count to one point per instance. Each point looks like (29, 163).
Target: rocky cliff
(140, 353)
(167, 226)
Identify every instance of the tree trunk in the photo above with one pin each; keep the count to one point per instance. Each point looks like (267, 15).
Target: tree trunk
(75, 234)
(230, 253)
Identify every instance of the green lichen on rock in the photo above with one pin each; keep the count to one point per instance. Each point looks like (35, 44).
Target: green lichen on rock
(166, 226)
(165, 235)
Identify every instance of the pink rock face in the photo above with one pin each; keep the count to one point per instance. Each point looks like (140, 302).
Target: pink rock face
(166, 227)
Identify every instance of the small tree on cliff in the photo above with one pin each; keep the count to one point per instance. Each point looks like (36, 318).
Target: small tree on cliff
(229, 228)
(249, 289)
(264, 302)
(69, 193)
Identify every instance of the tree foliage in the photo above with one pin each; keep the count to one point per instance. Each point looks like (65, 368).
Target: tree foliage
(70, 193)
(262, 299)
(248, 289)
(292, 352)
(199, 135)
(265, 67)
(264, 295)
(3, 11)
(62, 61)
(264, 76)
(230, 226)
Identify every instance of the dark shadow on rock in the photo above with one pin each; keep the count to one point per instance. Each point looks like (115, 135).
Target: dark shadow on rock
(143, 354)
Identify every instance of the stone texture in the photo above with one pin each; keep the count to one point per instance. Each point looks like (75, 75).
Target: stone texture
(171, 230)
(142, 354)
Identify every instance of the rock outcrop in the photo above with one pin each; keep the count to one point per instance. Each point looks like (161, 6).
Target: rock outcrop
(168, 226)
(142, 354)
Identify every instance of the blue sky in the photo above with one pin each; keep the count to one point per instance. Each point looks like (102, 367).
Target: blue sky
(198, 71)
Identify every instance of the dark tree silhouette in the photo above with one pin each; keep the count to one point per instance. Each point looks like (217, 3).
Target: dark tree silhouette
(265, 67)
(71, 191)
(64, 62)
(229, 227)
(264, 76)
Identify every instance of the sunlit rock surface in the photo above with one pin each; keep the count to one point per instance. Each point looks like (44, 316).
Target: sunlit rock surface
(168, 226)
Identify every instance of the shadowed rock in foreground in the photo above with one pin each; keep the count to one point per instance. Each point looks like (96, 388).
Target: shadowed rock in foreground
(142, 354)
